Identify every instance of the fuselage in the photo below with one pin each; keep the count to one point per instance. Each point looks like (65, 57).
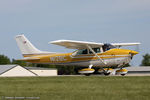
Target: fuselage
(112, 57)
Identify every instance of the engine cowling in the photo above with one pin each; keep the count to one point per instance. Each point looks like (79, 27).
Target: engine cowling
(86, 71)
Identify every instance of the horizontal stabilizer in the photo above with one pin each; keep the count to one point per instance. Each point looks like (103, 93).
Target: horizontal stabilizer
(125, 44)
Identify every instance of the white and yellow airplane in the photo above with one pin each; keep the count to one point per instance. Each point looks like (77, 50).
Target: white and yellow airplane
(89, 54)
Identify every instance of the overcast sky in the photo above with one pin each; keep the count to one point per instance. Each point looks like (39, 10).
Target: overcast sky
(90, 20)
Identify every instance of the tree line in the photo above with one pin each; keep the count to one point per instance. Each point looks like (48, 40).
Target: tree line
(61, 69)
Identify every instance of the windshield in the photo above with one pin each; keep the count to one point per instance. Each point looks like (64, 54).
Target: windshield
(107, 47)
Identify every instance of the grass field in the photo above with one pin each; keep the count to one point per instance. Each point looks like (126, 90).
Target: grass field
(77, 88)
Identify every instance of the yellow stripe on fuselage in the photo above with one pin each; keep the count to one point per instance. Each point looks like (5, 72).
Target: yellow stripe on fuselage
(68, 57)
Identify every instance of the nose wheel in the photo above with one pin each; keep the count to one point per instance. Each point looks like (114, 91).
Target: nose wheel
(122, 71)
(106, 74)
(87, 74)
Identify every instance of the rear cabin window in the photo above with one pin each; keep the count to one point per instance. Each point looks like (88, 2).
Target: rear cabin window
(83, 51)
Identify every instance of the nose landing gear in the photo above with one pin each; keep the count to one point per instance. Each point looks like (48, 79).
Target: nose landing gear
(122, 71)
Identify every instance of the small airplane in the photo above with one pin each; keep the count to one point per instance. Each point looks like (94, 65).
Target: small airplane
(106, 56)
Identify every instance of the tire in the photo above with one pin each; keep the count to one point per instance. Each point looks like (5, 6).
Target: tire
(123, 74)
(106, 74)
(87, 74)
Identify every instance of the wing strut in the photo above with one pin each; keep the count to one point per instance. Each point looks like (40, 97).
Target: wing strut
(96, 55)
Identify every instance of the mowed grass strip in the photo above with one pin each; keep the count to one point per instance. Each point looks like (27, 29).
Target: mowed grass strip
(77, 88)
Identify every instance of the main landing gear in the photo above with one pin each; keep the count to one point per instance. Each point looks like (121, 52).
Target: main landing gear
(106, 71)
(87, 71)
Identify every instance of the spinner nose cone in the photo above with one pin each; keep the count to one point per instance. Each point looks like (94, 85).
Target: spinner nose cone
(133, 52)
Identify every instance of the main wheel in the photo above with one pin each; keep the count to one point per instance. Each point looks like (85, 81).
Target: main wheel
(123, 74)
(106, 74)
(87, 74)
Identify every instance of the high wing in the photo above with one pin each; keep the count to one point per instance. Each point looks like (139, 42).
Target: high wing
(124, 44)
(76, 44)
(83, 45)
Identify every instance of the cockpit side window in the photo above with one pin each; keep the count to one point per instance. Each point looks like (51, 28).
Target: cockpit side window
(96, 50)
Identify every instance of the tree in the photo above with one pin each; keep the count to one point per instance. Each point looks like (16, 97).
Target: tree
(21, 63)
(4, 60)
(66, 70)
(146, 60)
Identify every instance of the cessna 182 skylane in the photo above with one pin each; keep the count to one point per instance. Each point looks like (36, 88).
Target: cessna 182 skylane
(88, 54)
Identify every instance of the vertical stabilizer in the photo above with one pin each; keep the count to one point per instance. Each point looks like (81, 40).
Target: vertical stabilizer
(26, 46)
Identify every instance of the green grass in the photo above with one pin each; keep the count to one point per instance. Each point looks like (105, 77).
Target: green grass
(77, 88)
